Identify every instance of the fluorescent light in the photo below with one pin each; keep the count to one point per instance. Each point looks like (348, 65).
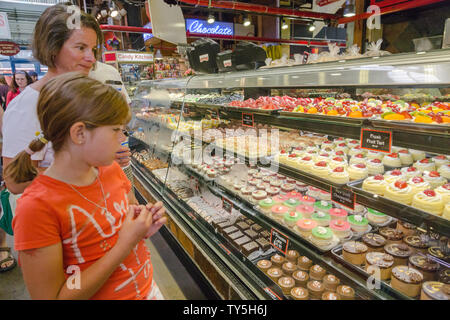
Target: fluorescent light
(247, 22)
(211, 19)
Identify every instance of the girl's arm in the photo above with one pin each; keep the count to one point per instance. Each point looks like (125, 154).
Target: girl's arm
(43, 268)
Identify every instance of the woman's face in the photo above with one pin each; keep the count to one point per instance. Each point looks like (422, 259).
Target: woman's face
(77, 53)
(21, 80)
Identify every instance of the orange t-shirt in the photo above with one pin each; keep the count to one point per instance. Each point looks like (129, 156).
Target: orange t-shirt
(50, 211)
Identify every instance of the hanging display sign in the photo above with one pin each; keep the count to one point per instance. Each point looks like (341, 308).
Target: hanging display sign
(203, 27)
(8, 48)
(134, 57)
(5, 32)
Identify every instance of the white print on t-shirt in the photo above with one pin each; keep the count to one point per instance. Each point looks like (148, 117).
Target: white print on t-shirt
(121, 209)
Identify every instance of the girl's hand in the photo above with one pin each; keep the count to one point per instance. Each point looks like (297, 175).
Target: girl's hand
(123, 156)
(135, 226)
(158, 217)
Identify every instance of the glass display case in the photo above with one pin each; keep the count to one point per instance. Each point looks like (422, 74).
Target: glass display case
(324, 181)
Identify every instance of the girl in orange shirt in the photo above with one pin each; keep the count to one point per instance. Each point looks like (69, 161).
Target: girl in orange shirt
(77, 235)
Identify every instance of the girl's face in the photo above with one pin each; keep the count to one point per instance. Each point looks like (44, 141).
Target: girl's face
(102, 144)
(77, 53)
(21, 80)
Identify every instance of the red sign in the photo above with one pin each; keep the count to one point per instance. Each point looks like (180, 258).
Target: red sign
(109, 57)
(322, 3)
(387, 3)
(8, 48)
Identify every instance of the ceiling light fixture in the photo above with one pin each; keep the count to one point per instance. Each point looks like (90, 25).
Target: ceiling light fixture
(312, 27)
(247, 22)
(114, 13)
(284, 26)
(349, 8)
(158, 55)
(211, 19)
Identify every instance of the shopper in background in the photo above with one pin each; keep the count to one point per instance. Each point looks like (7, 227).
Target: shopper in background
(4, 88)
(76, 215)
(33, 75)
(62, 50)
(19, 82)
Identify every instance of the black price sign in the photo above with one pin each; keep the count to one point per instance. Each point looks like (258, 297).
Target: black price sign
(248, 120)
(227, 205)
(376, 140)
(279, 241)
(343, 197)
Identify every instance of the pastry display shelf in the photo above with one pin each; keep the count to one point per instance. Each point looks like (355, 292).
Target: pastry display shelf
(259, 284)
(229, 266)
(433, 138)
(422, 219)
(424, 69)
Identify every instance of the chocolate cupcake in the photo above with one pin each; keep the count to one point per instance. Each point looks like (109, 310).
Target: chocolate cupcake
(292, 256)
(392, 235)
(316, 272)
(374, 242)
(330, 296)
(286, 284)
(444, 276)
(438, 253)
(264, 265)
(330, 282)
(301, 278)
(288, 268)
(277, 260)
(345, 292)
(275, 273)
(299, 293)
(425, 265)
(315, 289)
(408, 229)
(417, 244)
(400, 252)
(304, 263)
(407, 280)
(433, 290)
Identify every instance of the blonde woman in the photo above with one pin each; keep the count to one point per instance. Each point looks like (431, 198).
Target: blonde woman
(77, 234)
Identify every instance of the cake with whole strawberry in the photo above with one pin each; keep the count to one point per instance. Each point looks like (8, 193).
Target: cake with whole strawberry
(394, 175)
(410, 172)
(434, 179)
(405, 157)
(339, 175)
(357, 171)
(392, 160)
(444, 170)
(444, 191)
(425, 165)
(429, 201)
(418, 184)
(399, 191)
(375, 184)
(375, 166)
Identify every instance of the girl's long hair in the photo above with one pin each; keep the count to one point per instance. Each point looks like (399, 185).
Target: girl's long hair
(64, 100)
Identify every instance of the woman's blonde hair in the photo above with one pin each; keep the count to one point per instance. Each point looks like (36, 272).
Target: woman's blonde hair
(64, 100)
(52, 31)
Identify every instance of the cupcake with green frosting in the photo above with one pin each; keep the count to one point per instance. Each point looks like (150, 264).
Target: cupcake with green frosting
(266, 205)
(292, 203)
(376, 217)
(322, 218)
(322, 206)
(358, 223)
(291, 218)
(322, 237)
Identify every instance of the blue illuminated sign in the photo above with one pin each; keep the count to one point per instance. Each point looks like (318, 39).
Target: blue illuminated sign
(147, 35)
(216, 28)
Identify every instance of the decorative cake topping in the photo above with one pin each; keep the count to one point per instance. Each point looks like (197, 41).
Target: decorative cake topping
(340, 159)
(430, 193)
(338, 169)
(358, 218)
(393, 155)
(375, 160)
(378, 177)
(411, 169)
(434, 174)
(400, 184)
(418, 180)
(424, 161)
(359, 155)
(360, 165)
(321, 230)
(339, 153)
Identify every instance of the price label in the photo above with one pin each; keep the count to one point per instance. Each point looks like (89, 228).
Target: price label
(344, 197)
(279, 240)
(227, 205)
(248, 120)
(204, 57)
(376, 140)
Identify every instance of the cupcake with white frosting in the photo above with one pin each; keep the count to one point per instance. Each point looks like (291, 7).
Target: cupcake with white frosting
(375, 166)
(358, 171)
(434, 178)
(405, 157)
(429, 201)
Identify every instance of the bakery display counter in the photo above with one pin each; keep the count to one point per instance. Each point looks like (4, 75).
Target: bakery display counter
(312, 182)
